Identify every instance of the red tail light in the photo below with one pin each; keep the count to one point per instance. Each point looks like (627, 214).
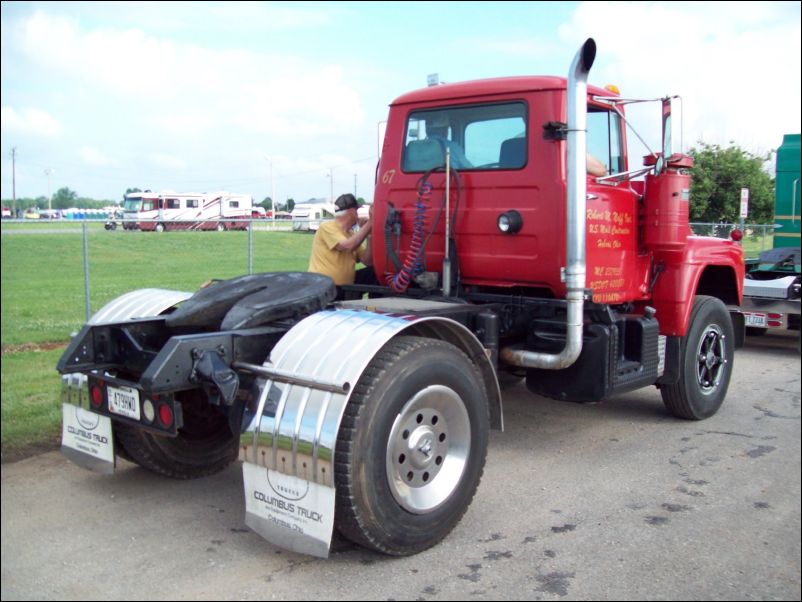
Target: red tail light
(96, 395)
(166, 415)
(736, 235)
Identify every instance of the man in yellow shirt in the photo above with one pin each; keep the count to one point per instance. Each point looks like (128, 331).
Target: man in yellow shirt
(336, 248)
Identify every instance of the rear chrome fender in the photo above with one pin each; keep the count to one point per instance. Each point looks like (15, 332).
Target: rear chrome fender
(290, 432)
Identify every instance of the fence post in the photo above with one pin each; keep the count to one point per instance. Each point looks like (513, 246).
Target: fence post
(250, 247)
(86, 273)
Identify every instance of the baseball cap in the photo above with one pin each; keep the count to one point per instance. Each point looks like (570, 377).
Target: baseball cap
(346, 201)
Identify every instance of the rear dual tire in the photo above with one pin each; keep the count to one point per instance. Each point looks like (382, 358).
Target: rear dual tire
(204, 446)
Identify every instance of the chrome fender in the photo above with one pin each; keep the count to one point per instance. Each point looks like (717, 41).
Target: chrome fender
(288, 439)
(141, 303)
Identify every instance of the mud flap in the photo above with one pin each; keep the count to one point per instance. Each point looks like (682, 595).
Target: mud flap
(293, 513)
(86, 439)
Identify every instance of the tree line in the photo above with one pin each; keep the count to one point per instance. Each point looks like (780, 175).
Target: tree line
(63, 198)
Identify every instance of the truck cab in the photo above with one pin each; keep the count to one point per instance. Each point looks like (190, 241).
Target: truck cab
(506, 138)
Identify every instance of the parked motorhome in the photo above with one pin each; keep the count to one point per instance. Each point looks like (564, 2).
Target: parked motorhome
(187, 211)
(190, 211)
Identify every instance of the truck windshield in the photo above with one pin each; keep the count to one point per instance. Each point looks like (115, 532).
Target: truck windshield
(480, 137)
(132, 204)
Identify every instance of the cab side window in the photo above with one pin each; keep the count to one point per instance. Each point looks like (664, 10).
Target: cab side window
(604, 139)
(478, 137)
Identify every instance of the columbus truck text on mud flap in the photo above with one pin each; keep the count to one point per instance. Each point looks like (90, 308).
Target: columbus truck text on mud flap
(500, 257)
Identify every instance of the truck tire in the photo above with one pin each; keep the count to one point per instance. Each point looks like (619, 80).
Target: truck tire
(706, 361)
(204, 446)
(411, 449)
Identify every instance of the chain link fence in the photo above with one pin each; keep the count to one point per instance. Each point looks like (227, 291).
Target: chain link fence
(757, 237)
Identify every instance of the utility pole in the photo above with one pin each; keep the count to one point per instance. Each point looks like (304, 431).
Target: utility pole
(355, 194)
(49, 171)
(273, 203)
(14, 181)
(331, 184)
(273, 199)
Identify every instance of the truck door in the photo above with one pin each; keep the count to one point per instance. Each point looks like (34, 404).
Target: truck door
(612, 216)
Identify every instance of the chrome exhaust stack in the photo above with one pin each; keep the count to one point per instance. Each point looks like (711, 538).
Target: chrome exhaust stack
(576, 202)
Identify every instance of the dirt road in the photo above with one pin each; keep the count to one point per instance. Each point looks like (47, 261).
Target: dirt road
(616, 501)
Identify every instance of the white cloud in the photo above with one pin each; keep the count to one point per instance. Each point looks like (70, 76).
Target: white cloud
(189, 123)
(521, 47)
(166, 160)
(736, 65)
(29, 121)
(185, 87)
(310, 102)
(95, 158)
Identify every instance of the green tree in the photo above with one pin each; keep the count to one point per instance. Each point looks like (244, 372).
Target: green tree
(267, 203)
(290, 204)
(127, 190)
(64, 198)
(717, 177)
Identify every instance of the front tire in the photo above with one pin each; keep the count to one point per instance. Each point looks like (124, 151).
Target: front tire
(411, 448)
(706, 361)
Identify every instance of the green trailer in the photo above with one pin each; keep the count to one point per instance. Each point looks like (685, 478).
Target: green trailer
(771, 297)
(787, 202)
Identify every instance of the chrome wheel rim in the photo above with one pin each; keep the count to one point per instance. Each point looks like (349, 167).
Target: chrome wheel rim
(711, 359)
(428, 449)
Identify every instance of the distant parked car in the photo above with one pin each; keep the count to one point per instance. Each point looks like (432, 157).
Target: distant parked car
(32, 213)
(258, 212)
(7, 213)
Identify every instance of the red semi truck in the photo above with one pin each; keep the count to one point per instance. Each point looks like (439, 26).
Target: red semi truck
(499, 254)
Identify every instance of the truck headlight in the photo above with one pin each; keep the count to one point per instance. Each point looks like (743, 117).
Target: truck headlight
(510, 222)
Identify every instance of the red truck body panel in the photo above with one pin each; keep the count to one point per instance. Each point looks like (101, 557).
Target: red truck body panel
(619, 264)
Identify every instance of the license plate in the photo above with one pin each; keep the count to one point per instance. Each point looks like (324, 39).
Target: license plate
(755, 319)
(124, 401)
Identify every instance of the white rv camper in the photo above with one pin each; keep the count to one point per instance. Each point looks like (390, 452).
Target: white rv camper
(187, 211)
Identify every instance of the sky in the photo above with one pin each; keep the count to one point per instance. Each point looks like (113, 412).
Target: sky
(288, 98)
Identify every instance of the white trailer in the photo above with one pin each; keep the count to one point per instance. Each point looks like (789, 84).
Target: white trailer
(169, 210)
(309, 216)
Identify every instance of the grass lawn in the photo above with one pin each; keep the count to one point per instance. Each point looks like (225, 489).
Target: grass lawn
(43, 298)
